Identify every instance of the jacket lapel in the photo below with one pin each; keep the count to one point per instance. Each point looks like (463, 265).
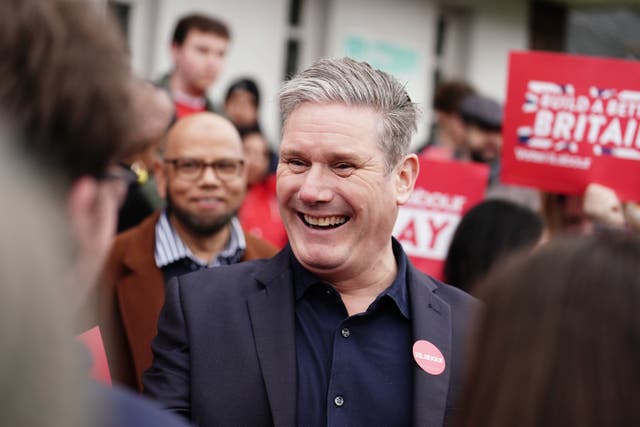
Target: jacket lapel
(272, 315)
(431, 318)
(140, 295)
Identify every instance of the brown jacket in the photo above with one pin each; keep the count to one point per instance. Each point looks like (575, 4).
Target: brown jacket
(131, 294)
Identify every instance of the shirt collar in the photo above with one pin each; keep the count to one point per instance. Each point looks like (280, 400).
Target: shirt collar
(397, 291)
(170, 248)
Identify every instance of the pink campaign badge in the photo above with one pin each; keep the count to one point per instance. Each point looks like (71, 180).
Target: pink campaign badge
(428, 357)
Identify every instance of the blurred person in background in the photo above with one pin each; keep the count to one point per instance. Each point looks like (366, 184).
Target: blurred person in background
(558, 341)
(259, 213)
(65, 89)
(198, 48)
(448, 133)
(242, 107)
(486, 236)
(155, 110)
(242, 104)
(482, 117)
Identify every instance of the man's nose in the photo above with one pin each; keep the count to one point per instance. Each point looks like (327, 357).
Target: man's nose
(316, 186)
(209, 176)
(214, 60)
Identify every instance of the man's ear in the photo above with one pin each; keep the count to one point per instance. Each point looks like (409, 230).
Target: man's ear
(175, 52)
(82, 201)
(406, 174)
(160, 174)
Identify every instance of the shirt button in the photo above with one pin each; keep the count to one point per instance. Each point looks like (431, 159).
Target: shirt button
(345, 332)
(339, 401)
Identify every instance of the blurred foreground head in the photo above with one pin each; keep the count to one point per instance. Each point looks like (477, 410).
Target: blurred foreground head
(65, 84)
(66, 89)
(559, 339)
(489, 233)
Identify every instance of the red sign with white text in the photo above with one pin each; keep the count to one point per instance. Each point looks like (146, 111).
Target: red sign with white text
(444, 191)
(572, 120)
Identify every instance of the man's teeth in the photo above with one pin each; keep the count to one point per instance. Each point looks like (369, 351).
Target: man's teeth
(325, 221)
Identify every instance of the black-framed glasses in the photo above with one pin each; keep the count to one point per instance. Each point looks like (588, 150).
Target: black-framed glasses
(192, 169)
(119, 172)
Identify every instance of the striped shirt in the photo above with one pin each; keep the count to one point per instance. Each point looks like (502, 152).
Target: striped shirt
(170, 247)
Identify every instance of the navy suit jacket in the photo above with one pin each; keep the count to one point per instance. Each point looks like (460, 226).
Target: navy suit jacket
(225, 353)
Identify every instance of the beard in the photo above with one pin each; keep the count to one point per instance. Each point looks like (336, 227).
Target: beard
(203, 227)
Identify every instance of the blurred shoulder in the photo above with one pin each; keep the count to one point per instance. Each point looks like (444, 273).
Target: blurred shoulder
(126, 409)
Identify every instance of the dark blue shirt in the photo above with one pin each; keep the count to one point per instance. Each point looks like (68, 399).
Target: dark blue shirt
(353, 371)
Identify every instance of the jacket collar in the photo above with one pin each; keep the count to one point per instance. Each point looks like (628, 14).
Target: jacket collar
(272, 313)
(139, 255)
(431, 318)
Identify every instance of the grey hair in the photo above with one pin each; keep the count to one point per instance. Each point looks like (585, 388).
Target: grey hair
(351, 82)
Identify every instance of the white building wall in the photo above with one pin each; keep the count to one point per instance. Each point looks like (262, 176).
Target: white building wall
(398, 36)
(497, 27)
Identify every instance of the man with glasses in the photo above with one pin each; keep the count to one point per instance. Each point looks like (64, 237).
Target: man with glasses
(202, 178)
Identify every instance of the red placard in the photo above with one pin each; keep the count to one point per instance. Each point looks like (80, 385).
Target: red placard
(445, 190)
(571, 120)
(92, 339)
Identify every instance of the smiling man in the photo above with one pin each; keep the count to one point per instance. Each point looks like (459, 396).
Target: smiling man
(202, 178)
(338, 328)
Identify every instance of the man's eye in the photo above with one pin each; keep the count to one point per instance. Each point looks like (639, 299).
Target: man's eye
(343, 168)
(226, 167)
(189, 165)
(296, 164)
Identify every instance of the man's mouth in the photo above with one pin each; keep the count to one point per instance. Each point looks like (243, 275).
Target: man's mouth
(208, 201)
(323, 222)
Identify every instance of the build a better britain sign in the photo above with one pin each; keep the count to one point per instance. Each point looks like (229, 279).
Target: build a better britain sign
(572, 120)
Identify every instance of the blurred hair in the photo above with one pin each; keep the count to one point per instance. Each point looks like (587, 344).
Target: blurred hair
(486, 234)
(245, 131)
(245, 84)
(200, 22)
(450, 94)
(552, 209)
(65, 84)
(344, 80)
(558, 342)
(154, 108)
(41, 381)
